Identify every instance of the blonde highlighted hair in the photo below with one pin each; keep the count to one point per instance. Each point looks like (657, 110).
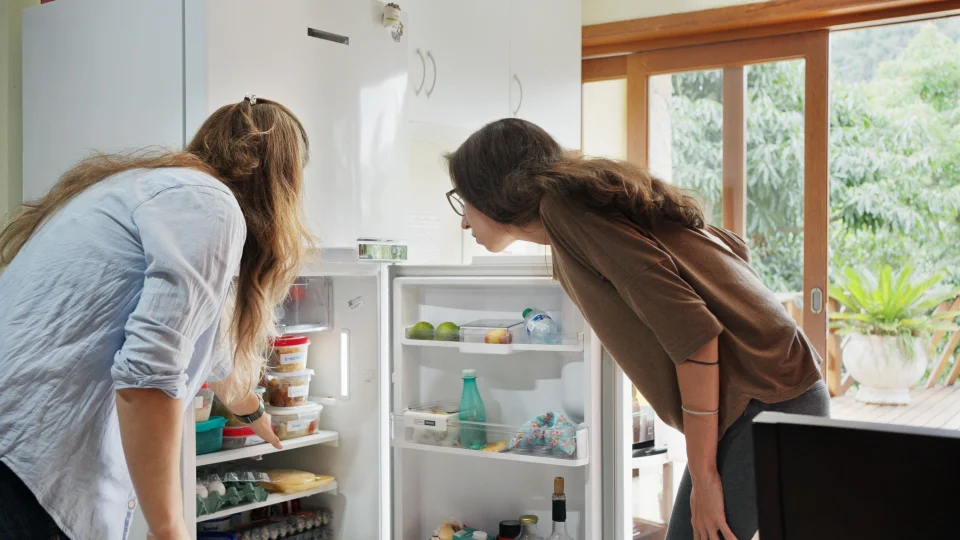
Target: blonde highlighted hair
(258, 150)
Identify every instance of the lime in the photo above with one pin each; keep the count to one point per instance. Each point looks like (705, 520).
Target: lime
(421, 330)
(448, 331)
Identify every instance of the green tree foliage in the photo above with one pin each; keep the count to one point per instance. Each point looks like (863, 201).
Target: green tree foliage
(894, 152)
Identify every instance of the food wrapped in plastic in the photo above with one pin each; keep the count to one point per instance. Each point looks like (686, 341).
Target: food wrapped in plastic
(292, 481)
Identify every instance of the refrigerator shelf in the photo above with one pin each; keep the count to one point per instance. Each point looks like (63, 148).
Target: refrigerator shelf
(568, 343)
(321, 437)
(284, 330)
(443, 433)
(274, 498)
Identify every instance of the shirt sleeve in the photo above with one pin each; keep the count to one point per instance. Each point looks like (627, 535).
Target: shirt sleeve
(644, 275)
(192, 240)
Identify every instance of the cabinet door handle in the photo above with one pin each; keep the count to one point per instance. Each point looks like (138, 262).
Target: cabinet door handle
(434, 83)
(423, 78)
(519, 85)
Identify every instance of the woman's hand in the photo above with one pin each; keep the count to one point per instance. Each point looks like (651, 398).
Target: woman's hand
(263, 428)
(706, 510)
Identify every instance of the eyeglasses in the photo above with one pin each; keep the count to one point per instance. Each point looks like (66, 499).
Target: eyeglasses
(456, 202)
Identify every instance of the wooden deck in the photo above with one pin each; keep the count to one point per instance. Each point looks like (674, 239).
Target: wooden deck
(937, 407)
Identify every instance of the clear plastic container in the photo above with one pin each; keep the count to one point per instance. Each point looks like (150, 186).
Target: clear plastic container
(202, 404)
(293, 422)
(238, 437)
(493, 332)
(288, 389)
(219, 409)
(434, 423)
(288, 354)
(422, 330)
(308, 306)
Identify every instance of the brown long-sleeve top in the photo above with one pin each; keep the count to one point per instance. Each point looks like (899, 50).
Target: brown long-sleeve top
(656, 295)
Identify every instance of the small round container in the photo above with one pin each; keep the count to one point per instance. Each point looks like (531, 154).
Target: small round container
(288, 389)
(238, 437)
(210, 435)
(202, 404)
(293, 422)
(288, 354)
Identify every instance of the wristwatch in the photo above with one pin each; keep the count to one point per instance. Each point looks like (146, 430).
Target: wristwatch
(254, 416)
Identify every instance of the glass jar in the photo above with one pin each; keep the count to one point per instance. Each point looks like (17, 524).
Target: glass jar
(528, 528)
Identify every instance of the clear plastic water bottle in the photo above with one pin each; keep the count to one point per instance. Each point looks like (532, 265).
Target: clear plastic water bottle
(472, 436)
(540, 327)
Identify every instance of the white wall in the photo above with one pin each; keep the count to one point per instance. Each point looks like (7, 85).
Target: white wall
(603, 11)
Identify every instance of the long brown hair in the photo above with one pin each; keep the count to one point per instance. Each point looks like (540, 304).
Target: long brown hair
(258, 151)
(506, 168)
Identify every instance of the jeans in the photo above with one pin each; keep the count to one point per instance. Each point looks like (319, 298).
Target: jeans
(21, 516)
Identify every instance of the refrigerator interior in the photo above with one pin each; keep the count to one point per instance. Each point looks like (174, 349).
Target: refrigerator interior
(480, 488)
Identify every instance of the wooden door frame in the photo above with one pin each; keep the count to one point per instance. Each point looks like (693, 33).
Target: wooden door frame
(813, 48)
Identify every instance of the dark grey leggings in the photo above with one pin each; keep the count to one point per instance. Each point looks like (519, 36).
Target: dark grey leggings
(735, 464)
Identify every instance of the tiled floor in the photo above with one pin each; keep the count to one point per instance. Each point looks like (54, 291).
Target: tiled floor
(935, 407)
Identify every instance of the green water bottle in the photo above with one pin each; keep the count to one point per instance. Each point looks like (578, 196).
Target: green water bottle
(472, 436)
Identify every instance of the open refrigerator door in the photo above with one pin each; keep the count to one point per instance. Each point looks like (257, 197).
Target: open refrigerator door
(459, 338)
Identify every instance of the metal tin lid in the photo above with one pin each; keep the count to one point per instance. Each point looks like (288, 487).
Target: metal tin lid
(529, 519)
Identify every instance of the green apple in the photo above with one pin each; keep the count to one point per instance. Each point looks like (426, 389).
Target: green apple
(448, 331)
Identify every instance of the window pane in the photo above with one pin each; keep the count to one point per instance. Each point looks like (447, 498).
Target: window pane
(686, 135)
(775, 97)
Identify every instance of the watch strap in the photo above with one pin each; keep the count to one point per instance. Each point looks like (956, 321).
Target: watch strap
(252, 417)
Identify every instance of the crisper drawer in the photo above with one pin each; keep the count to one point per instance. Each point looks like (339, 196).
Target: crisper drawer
(308, 307)
(554, 441)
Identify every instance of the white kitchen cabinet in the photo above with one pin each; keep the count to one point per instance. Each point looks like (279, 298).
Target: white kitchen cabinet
(545, 38)
(459, 57)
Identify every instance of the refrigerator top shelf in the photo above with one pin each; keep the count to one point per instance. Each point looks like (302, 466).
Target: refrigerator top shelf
(322, 437)
(569, 343)
(274, 498)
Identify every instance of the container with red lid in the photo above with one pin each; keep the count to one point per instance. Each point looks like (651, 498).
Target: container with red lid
(238, 437)
(203, 403)
(288, 354)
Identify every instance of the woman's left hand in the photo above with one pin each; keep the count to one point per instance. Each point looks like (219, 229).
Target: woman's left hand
(263, 428)
(707, 512)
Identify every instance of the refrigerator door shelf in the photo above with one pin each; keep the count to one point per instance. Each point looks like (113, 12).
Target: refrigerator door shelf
(568, 343)
(543, 445)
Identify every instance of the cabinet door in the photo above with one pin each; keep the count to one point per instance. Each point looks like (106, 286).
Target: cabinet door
(466, 59)
(545, 58)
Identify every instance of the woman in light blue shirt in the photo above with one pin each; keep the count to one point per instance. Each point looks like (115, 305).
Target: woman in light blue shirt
(117, 301)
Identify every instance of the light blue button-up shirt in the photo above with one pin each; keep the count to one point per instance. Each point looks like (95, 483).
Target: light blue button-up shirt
(122, 288)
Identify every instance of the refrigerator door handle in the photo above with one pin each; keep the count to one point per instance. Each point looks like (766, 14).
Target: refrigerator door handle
(345, 365)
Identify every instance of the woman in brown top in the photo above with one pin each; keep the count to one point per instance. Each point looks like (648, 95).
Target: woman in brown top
(673, 299)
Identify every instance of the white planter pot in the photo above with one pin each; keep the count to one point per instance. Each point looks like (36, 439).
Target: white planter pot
(882, 366)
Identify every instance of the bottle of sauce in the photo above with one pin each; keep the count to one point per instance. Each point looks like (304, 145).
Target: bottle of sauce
(509, 530)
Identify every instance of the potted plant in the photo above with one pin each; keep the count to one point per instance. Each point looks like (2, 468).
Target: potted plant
(887, 320)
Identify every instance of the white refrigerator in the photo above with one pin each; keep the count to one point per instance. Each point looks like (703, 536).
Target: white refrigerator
(391, 484)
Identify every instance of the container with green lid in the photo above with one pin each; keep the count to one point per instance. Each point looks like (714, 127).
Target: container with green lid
(210, 435)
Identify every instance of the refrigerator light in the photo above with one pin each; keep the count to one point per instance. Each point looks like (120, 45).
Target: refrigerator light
(345, 364)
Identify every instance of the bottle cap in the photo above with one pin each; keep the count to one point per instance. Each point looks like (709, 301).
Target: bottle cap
(529, 519)
(470, 374)
(526, 311)
(558, 485)
(510, 528)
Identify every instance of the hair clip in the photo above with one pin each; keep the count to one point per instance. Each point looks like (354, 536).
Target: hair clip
(252, 98)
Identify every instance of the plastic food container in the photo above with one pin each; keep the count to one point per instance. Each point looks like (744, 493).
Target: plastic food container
(210, 435)
(219, 409)
(238, 437)
(203, 403)
(494, 332)
(288, 389)
(293, 422)
(290, 481)
(434, 423)
(288, 354)
(421, 331)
